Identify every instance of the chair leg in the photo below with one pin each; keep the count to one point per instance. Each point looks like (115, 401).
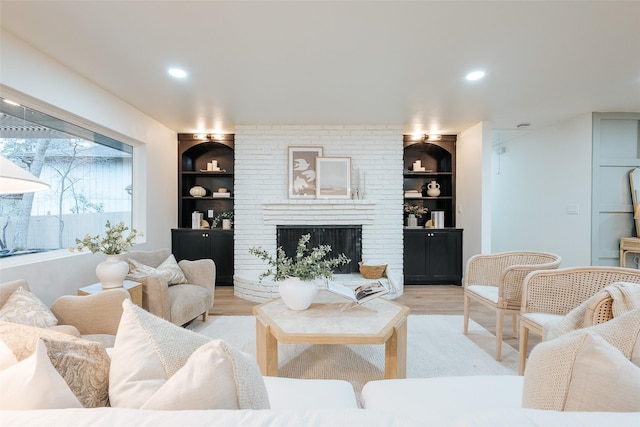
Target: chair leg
(524, 344)
(466, 314)
(499, 325)
(205, 315)
(514, 324)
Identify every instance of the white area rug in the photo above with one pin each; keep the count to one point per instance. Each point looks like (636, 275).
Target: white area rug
(436, 347)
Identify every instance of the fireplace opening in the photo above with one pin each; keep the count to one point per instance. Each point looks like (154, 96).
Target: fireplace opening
(346, 239)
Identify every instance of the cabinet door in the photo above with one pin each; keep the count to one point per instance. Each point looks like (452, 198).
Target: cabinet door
(415, 250)
(222, 255)
(190, 244)
(444, 256)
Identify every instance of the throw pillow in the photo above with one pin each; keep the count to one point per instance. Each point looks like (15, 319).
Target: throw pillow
(169, 270)
(25, 308)
(7, 358)
(84, 365)
(34, 383)
(580, 372)
(622, 332)
(158, 365)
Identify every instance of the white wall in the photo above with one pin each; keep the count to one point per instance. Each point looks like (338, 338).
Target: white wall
(33, 79)
(539, 176)
(473, 189)
(261, 154)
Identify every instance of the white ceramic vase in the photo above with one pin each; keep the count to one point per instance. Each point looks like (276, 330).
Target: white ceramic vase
(297, 294)
(112, 271)
(412, 221)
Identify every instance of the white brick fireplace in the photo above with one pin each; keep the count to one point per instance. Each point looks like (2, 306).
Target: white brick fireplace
(261, 202)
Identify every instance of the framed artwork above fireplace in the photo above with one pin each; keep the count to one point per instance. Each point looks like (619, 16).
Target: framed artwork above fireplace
(302, 171)
(334, 177)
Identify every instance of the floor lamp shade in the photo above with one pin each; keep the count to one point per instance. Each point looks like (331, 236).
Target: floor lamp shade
(15, 180)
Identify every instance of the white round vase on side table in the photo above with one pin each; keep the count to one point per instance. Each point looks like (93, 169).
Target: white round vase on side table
(112, 272)
(297, 294)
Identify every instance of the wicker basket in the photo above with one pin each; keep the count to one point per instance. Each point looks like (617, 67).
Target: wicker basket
(372, 271)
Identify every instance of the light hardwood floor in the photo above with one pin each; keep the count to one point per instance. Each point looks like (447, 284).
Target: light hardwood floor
(429, 299)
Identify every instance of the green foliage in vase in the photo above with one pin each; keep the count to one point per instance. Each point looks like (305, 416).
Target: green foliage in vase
(222, 215)
(113, 243)
(414, 209)
(308, 264)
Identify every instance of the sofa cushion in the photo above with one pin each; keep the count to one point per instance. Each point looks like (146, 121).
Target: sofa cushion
(580, 372)
(158, 365)
(34, 383)
(84, 365)
(294, 393)
(441, 399)
(169, 270)
(25, 308)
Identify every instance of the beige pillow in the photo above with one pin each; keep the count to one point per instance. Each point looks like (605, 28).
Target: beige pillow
(580, 372)
(158, 365)
(169, 270)
(25, 308)
(83, 364)
(623, 332)
(34, 383)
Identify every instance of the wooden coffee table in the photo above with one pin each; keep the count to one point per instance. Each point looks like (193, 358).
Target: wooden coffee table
(379, 321)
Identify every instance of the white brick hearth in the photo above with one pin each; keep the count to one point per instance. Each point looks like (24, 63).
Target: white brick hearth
(261, 202)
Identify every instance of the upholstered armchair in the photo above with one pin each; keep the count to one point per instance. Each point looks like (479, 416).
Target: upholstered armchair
(94, 317)
(495, 281)
(177, 303)
(548, 296)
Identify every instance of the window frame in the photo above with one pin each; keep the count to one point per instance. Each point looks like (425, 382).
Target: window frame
(139, 173)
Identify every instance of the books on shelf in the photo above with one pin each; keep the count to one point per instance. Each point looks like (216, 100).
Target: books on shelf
(216, 194)
(412, 194)
(361, 294)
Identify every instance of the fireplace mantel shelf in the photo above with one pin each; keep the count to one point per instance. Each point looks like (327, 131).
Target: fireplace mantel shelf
(318, 202)
(319, 211)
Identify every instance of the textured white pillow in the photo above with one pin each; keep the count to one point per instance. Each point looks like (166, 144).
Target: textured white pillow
(34, 383)
(25, 308)
(168, 270)
(580, 372)
(158, 365)
(553, 365)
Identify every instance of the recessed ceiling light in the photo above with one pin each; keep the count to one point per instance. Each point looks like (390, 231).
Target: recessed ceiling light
(177, 73)
(475, 75)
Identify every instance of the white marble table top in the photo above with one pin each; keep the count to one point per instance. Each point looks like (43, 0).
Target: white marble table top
(325, 322)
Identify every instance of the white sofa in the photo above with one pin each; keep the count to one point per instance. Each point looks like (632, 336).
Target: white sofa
(136, 379)
(447, 401)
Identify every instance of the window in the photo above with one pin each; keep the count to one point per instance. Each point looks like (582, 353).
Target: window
(90, 177)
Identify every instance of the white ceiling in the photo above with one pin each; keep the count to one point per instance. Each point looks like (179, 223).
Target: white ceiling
(334, 62)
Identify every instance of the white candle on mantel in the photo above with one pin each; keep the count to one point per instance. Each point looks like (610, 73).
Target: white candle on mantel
(364, 178)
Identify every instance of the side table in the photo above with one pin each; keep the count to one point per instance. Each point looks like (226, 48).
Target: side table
(628, 244)
(134, 288)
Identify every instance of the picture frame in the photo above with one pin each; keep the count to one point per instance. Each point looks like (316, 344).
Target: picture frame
(333, 177)
(302, 171)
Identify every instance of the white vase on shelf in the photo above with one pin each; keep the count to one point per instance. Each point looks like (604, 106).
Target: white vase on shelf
(412, 221)
(112, 271)
(297, 294)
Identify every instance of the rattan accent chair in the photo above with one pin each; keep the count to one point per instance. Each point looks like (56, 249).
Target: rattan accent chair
(495, 280)
(547, 296)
